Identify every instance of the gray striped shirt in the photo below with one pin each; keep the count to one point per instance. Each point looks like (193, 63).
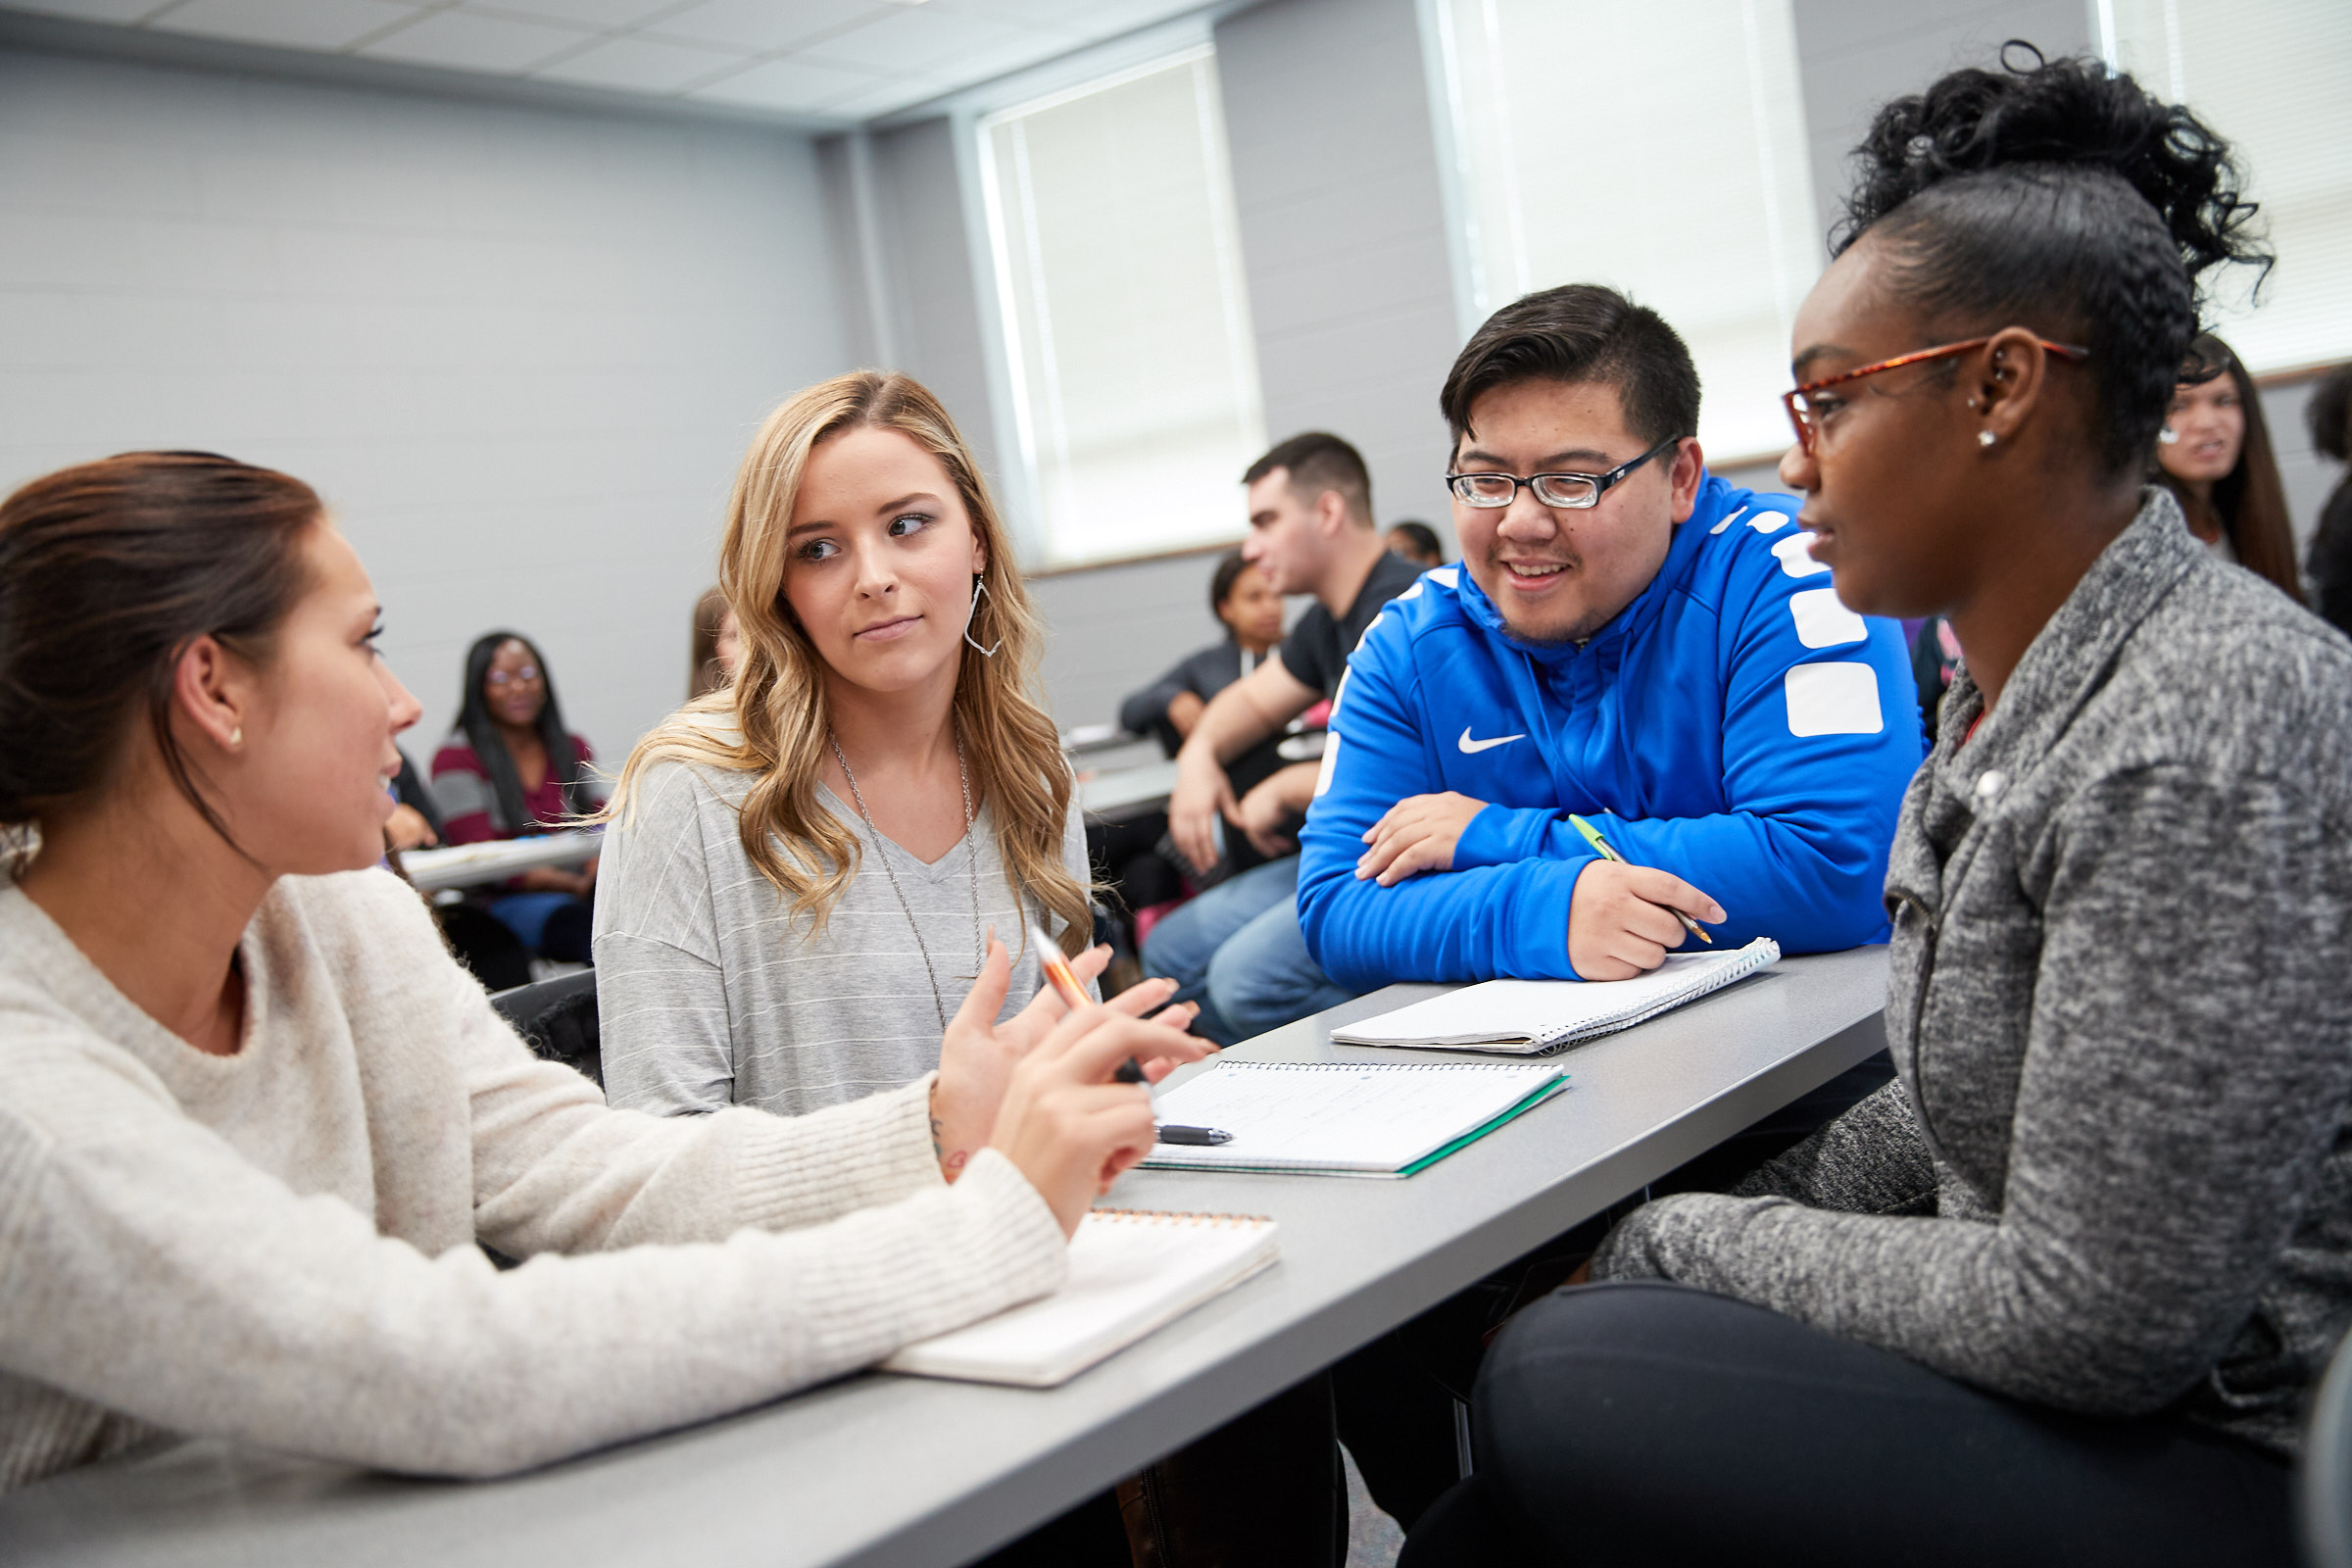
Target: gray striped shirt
(709, 996)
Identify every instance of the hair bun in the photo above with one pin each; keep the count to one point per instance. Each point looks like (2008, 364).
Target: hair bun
(2064, 111)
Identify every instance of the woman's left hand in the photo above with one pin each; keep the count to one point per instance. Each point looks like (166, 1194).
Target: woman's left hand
(977, 1056)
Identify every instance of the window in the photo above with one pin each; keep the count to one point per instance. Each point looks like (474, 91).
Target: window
(1126, 317)
(1656, 146)
(2271, 79)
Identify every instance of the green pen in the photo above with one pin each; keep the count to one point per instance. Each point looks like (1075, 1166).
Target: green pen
(1600, 847)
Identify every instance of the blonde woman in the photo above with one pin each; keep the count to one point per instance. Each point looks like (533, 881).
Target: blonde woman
(803, 867)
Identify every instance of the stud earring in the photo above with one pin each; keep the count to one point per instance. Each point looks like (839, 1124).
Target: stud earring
(979, 592)
(1984, 438)
(237, 737)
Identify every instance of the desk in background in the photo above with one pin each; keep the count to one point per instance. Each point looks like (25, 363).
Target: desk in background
(915, 1473)
(463, 866)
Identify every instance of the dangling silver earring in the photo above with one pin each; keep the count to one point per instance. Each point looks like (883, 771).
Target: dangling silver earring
(979, 590)
(1984, 438)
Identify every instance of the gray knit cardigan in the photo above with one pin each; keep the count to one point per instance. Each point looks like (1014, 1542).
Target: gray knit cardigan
(2113, 1175)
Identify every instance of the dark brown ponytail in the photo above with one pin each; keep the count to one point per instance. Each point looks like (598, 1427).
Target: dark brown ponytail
(107, 571)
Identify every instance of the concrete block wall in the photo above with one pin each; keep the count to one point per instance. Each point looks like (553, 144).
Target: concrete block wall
(519, 350)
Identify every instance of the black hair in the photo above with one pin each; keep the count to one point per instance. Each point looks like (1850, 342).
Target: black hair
(108, 571)
(1230, 567)
(489, 741)
(2053, 195)
(1580, 332)
(1319, 460)
(2328, 415)
(1424, 538)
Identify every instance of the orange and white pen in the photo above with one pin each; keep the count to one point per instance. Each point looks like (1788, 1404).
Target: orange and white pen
(1058, 975)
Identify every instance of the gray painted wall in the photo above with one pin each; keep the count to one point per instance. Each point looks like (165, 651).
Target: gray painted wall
(520, 350)
(1853, 55)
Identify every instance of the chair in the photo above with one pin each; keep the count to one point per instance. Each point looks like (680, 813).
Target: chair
(2324, 1485)
(556, 1019)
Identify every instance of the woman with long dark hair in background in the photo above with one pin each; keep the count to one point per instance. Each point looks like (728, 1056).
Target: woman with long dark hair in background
(2213, 454)
(2059, 1293)
(510, 768)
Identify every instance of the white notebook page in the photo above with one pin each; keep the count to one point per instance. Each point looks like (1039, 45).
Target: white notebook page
(1129, 1273)
(1339, 1115)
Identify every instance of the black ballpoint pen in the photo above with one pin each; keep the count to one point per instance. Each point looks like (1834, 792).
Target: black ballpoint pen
(1170, 1133)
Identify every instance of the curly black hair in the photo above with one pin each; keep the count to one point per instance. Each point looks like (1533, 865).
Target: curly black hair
(2054, 195)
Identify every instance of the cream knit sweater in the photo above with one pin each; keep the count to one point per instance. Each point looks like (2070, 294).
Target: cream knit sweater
(277, 1247)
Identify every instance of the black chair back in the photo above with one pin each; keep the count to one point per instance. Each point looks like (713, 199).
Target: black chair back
(556, 1019)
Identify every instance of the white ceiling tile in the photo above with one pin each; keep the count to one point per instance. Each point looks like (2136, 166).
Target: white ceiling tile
(764, 24)
(640, 65)
(1096, 18)
(887, 97)
(795, 86)
(597, 16)
(92, 10)
(288, 24)
(913, 37)
(463, 40)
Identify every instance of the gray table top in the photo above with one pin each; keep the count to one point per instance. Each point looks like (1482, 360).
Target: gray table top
(907, 1471)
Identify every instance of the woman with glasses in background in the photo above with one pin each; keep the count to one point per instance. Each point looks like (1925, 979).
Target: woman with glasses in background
(511, 768)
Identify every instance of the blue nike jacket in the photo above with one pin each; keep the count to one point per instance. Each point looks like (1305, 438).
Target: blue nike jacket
(1735, 726)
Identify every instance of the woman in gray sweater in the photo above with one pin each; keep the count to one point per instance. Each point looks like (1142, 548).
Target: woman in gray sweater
(2059, 1293)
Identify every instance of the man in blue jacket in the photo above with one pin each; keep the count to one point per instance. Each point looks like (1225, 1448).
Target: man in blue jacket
(1627, 638)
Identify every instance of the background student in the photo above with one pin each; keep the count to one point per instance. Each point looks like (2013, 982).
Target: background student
(1126, 855)
(509, 768)
(2061, 1292)
(1237, 947)
(718, 646)
(804, 866)
(2213, 454)
(250, 1131)
(1417, 542)
(2330, 417)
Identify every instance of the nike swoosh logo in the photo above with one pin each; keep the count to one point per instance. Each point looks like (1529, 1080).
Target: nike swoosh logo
(1471, 747)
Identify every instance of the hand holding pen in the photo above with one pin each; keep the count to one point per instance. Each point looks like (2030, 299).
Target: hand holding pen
(1625, 918)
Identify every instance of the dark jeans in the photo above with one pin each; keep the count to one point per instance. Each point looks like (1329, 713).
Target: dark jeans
(1394, 1397)
(1651, 1423)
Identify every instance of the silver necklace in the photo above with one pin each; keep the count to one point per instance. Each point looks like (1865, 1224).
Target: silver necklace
(972, 859)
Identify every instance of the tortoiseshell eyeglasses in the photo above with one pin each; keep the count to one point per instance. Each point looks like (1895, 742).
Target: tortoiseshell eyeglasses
(1805, 417)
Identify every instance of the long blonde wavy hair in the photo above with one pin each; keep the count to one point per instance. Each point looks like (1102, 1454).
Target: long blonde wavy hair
(777, 702)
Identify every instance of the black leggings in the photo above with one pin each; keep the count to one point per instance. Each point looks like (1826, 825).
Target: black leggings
(1651, 1423)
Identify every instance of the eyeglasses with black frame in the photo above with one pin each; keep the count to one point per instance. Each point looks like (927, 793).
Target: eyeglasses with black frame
(1805, 416)
(1489, 490)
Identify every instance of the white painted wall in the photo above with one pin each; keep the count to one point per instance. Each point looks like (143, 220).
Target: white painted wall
(520, 350)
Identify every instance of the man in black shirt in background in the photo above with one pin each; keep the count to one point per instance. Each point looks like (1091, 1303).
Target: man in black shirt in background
(1236, 948)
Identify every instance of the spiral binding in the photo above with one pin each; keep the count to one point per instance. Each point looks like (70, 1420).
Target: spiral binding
(1179, 1217)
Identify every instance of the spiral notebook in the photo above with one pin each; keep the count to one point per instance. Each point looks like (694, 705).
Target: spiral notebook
(1535, 1017)
(1131, 1271)
(1344, 1118)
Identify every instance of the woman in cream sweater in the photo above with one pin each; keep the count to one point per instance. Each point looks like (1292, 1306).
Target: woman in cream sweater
(254, 1117)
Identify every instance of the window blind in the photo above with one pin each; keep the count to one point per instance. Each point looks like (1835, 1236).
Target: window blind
(1125, 312)
(2273, 79)
(1656, 146)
